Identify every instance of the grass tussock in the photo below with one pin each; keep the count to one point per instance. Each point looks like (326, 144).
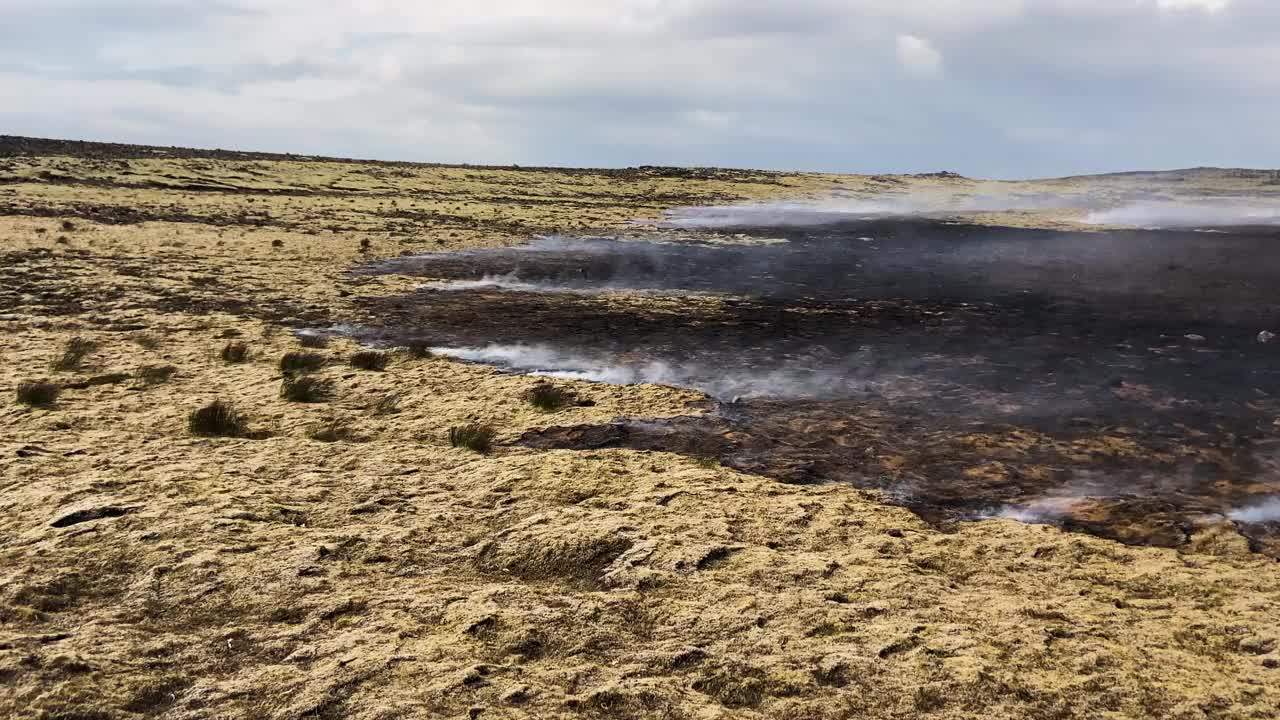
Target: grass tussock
(549, 398)
(218, 419)
(235, 353)
(156, 374)
(388, 405)
(295, 363)
(148, 341)
(370, 360)
(332, 430)
(474, 437)
(38, 394)
(74, 353)
(312, 341)
(417, 351)
(306, 389)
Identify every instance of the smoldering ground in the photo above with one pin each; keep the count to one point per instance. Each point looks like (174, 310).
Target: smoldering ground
(959, 368)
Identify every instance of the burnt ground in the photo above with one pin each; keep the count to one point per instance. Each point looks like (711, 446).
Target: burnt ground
(1109, 382)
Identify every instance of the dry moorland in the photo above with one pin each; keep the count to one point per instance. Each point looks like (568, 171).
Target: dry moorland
(341, 559)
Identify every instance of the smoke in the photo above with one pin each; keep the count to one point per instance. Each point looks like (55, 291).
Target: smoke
(1191, 213)
(837, 210)
(509, 281)
(1268, 511)
(552, 362)
(799, 379)
(1133, 209)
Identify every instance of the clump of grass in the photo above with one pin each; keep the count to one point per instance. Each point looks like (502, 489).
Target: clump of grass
(370, 360)
(38, 394)
(365, 244)
(474, 437)
(389, 405)
(235, 352)
(417, 350)
(549, 398)
(218, 419)
(310, 340)
(156, 374)
(148, 341)
(306, 389)
(74, 353)
(334, 429)
(293, 363)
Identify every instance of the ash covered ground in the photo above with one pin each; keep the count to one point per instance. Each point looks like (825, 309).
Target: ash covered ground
(1112, 382)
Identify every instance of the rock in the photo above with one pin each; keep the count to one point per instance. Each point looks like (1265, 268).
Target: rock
(1267, 337)
(1194, 337)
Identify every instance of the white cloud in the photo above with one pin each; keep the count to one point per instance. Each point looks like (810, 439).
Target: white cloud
(918, 56)
(1207, 5)
(1025, 86)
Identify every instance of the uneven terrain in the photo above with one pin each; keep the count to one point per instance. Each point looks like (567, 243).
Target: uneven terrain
(149, 572)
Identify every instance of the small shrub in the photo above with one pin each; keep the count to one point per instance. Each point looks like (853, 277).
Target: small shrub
(333, 429)
(389, 405)
(217, 419)
(68, 226)
(277, 243)
(365, 244)
(235, 352)
(369, 360)
(156, 374)
(293, 363)
(475, 437)
(74, 354)
(306, 389)
(549, 398)
(313, 341)
(38, 394)
(63, 240)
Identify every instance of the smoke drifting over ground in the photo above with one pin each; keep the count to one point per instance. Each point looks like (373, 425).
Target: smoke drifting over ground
(847, 340)
(1192, 214)
(1137, 211)
(1267, 512)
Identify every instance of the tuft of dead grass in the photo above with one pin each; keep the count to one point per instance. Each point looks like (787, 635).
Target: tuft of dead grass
(218, 419)
(306, 389)
(235, 353)
(372, 360)
(40, 394)
(475, 437)
(296, 363)
(549, 398)
(74, 353)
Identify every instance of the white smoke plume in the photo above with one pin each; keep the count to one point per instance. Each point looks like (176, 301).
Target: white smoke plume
(1268, 511)
(1188, 214)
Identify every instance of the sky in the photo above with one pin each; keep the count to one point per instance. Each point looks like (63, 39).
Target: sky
(987, 88)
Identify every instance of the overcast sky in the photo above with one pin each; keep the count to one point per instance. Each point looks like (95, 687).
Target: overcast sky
(993, 88)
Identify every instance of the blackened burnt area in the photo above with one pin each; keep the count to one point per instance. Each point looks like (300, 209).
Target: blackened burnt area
(960, 369)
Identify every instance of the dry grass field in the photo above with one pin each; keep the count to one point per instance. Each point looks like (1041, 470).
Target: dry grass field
(340, 559)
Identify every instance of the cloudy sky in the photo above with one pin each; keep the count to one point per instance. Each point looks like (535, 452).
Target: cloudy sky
(994, 88)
